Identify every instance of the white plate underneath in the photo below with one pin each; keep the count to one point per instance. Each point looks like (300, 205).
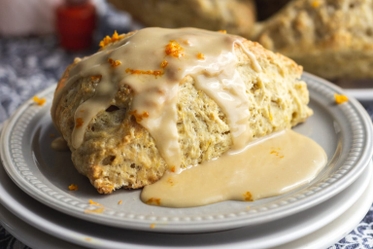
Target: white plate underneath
(44, 225)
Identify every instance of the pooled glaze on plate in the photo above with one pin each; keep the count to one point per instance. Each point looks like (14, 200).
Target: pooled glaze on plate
(271, 166)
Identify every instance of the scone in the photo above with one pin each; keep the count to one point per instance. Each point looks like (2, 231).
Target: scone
(329, 38)
(164, 99)
(235, 16)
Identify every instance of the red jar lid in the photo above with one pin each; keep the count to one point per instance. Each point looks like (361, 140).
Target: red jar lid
(76, 22)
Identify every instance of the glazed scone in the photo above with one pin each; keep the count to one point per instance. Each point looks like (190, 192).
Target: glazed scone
(330, 38)
(164, 99)
(235, 16)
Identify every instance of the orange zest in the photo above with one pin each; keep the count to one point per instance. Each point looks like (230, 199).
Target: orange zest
(79, 122)
(73, 187)
(139, 116)
(340, 98)
(114, 63)
(248, 196)
(108, 40)
(174, 49)
(39, 101)
(154, 201)
(148, 72)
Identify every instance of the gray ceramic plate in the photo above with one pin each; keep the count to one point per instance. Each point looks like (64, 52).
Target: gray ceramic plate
(344, 131)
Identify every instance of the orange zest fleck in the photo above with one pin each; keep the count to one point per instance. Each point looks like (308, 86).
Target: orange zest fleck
(276, 152)
(105, 41)
(79, 122)
(114, 63)
(174, 49)
(149, 72)
(154, 201)
(39, 101)
(152, 226)
(164, 64)
(115, 37)
(73, 187)
(108, 40)
(139, 117)
(173, 169)
(340, 98)
(247, 196)
(200, 56)
(223, 31)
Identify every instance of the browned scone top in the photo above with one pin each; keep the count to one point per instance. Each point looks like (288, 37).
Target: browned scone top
(118, 151)
(235, 16)
(330, 38)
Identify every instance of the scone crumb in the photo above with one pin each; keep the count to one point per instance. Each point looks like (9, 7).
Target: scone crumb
(39, 101)
(154, 201)
(340, 98)
(223, 31)
(73, 187)
(152, 226)
(120, 202)
(174, 49)
(247, 196)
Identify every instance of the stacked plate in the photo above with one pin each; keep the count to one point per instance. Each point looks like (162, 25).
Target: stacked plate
(38, 208)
